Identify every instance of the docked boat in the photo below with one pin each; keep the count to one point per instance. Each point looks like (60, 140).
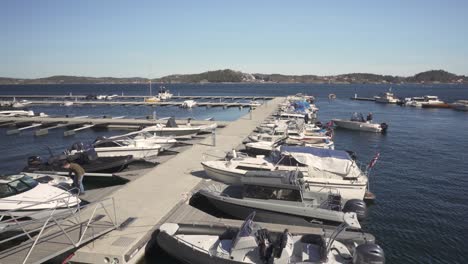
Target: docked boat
(264, 145)
(386, 98)
(428, 101)
(357, 122)
(280, 197)
(152, 99)
(172, 129)
(189, 104)
(12, 113)
(122, 147)
(460, 105)
(207, 244)
(26, 197)
(146, 138)
(51, 179)
(164, 94)
(431, 101)
(324, 170)
(414, 101)
(67, 103)
(84, 155)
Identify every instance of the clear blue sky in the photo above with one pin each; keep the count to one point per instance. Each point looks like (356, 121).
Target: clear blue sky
(41, 38)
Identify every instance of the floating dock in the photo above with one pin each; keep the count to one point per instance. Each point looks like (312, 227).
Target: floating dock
(138, 96)
(141, 103)
(44, 124)
(153, 197)
(363, 99)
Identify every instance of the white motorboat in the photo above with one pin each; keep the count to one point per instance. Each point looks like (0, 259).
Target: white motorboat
(125, 147)
(414, 101)
(51, 179)
(20, 104)
(431, 101)
(189, 104)
(264, 145)
(106, 97)
(357, 122)
(12, 113)
(148, 139)
(164, 94)
(67, 103)
(173, 129)
(324, 170)
(460, 105)
(208, 244)
(26, 197)
(426, 101)
(386, 98)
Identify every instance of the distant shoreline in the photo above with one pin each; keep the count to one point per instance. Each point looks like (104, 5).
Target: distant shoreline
(236, 77)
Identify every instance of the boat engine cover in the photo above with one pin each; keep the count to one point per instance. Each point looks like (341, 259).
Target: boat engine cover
(369, 254)
(384, 127)
(357, 206)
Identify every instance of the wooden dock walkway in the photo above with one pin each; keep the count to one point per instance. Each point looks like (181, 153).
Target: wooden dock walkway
(151, 197)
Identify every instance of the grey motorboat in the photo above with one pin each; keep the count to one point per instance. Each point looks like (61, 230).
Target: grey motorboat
(281, 197)
(253, 244)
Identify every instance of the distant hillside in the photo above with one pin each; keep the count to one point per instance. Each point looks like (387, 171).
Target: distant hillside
(230, 76)
(210, 76)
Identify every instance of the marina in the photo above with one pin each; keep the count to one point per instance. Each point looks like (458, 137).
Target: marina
(175, 182)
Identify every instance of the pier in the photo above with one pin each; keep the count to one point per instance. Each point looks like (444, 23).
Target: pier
(155, 196)
(69, 97)
(44, 124)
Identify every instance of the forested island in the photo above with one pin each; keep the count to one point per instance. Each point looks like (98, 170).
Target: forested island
(231, 76)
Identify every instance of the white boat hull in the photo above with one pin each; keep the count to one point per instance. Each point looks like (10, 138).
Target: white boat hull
(137, 153)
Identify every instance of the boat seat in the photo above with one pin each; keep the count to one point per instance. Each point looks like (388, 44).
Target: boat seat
(224, 246)
(314, 248)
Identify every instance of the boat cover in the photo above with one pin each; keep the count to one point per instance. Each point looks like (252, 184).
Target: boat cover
(334, 161)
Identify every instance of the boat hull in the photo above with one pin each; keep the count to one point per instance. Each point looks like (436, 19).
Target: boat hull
(137, 153)
(263, 215)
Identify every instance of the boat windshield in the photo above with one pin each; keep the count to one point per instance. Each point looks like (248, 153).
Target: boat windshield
(246, 229)
(357, 117)
(17, 186)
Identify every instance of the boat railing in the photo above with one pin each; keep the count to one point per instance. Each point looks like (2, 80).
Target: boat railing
(57, 222)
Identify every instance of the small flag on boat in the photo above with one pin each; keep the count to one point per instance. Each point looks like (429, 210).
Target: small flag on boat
(373, 161)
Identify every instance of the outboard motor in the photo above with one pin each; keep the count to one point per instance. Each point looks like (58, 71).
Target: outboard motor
(356, 206)
(369, 254)
(34, 161)
(384, 127)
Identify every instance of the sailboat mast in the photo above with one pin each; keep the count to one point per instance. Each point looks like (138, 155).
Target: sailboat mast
(150, 88)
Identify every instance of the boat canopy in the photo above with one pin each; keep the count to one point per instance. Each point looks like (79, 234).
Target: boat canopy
(334, 161)
(280, 179)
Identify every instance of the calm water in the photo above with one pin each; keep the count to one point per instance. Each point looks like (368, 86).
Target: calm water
(420, 181)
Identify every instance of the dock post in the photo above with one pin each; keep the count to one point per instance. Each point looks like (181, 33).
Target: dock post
(213, 137)
(250, 112)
